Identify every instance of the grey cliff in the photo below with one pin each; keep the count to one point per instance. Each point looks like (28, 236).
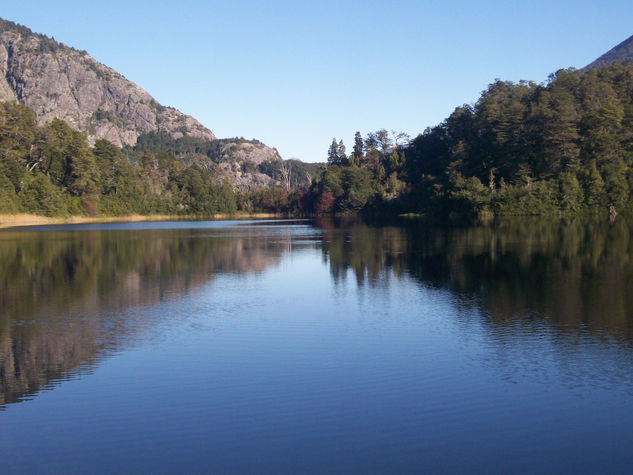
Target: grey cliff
(58, 81)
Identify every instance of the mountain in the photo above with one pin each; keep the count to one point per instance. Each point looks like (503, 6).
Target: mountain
(58, 81)
(622, 52)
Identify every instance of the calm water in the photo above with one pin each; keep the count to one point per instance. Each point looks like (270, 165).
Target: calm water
(300, 346)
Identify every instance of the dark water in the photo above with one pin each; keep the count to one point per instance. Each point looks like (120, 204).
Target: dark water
(317, 347)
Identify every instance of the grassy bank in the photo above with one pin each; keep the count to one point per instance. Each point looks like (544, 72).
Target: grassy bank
(23, 219)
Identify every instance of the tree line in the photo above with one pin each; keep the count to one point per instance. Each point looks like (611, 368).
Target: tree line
(565, 146)
(53, 171)
(561, 147)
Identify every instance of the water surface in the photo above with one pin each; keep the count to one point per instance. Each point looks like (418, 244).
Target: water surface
(277, 346)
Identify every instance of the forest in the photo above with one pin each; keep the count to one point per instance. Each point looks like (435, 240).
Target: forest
(561, 147)
(51, 170)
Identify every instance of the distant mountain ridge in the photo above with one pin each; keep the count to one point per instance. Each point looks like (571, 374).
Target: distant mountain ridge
(622, 52)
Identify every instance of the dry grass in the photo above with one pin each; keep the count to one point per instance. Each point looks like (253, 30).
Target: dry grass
(13, 220)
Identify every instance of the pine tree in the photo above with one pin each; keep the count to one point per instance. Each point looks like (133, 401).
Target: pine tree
(332, 153)
(340, 153)
(358, 145)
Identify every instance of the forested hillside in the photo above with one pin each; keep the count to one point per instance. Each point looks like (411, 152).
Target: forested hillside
(59, 82)
(52, 170)
(565, 146)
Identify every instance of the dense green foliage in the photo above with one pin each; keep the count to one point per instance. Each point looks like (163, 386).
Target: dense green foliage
(370, 178)
(562, 147)
(533, 149)
(157, 142)
(52, 170)
(565, 146)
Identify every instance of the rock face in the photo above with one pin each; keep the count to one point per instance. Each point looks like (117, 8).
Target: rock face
(58, 81)
(238, 157)
(238, 164)
(622, 52)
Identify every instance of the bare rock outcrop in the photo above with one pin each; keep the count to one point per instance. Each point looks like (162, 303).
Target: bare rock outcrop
(240, 165)
(58, 81)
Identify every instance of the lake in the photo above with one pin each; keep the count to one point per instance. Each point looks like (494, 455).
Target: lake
(317, 346)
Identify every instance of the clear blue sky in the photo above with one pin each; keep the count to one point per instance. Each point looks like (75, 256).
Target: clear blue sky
(294, 74)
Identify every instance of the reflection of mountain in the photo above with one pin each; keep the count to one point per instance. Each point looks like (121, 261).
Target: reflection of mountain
(64, 296)
(577, 275)
(61, 292)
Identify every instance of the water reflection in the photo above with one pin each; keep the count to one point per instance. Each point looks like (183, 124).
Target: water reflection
(534, 300)
(63, 293)
(577, 274)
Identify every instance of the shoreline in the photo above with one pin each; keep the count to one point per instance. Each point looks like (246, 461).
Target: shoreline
(25, 219)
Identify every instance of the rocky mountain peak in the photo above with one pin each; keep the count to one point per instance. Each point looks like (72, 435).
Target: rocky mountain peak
(59, 81)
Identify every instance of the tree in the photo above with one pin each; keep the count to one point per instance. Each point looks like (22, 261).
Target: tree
(41, 196)
(357, 189)
(336, 153)
(332, 152)
(341, 157)
(371, 142)
(284, 171)
(571, 195)
(594, 186)
(63, 155)
(324, 203)
(83, 168)
(358, 145)
(8, 198)
(384, 141)
(400, 139)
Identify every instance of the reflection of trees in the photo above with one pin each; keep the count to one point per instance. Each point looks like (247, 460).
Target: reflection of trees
(578, 274)
(61, 293)
(368, 252)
